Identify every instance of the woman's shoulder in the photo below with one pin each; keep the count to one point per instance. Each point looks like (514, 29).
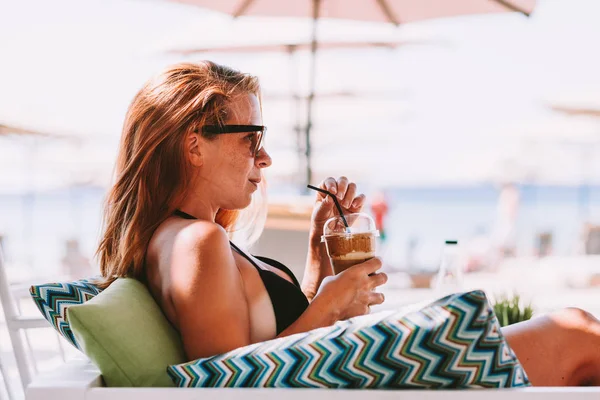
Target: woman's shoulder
(199, 234)
(191, 251)
(180, 237)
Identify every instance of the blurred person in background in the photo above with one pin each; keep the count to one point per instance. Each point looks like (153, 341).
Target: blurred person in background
(479, 252)
(379, 208)
(74, 264)
(504, 231)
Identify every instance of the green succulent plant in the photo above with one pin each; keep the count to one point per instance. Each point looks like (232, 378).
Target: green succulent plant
(511, 310)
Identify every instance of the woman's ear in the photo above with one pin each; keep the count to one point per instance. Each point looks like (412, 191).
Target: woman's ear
(193, 151)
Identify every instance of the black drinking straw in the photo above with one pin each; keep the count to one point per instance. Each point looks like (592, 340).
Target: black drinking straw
(335, 200)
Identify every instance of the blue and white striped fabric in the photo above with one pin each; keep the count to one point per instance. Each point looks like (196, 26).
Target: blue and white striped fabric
(53, 300)
(455, 342)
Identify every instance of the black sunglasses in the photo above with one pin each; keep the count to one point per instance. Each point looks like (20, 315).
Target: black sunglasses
(256, 140)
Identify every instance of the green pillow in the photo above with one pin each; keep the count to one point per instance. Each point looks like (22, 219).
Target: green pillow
(124, 332)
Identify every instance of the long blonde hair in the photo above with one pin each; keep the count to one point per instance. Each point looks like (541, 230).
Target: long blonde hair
(151, 172)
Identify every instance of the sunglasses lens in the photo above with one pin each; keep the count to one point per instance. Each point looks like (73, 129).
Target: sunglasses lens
(259, 142)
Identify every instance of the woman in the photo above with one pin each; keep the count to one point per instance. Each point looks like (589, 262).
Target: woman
(190, 160)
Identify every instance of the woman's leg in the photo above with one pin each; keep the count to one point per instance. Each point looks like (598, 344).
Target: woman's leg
(559, 349)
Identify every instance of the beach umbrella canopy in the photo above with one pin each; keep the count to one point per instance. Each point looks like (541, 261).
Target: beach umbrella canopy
(394, 11)
(388, 11)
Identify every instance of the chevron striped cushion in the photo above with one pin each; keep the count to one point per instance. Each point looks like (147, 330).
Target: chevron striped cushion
(455, 342)
(53, 299)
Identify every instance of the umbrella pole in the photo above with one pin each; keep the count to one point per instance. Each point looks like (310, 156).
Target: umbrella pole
(295, 115)
(584, 187)
(313, 59)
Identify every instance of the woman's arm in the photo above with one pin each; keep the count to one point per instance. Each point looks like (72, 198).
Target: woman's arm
(207, 292)
(343, 296)
(318, 266)
(318, 315)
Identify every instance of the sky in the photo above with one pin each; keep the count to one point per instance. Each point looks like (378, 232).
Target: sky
(464, 100)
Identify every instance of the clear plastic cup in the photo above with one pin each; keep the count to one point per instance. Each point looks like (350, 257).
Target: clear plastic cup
(352, 245)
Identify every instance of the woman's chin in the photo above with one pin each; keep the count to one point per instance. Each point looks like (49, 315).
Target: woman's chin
(248, 201)
(240, 204)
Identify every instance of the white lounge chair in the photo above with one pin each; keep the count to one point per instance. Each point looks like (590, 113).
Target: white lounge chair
(16, 324)
(79, 380)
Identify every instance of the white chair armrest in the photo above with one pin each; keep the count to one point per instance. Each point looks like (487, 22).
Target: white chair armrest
(81, 380)
(70, 381)
(339, 394)
(29, 323)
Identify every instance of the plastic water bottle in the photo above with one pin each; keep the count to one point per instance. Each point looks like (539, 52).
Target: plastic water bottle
(449, 278)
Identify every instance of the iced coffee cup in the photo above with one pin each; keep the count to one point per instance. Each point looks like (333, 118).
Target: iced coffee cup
(348, 246)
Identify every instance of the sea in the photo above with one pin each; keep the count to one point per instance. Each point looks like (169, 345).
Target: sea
(35, 226)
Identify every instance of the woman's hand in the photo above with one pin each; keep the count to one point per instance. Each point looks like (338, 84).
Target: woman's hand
(351, 293)
(346, 193)
(318, 266)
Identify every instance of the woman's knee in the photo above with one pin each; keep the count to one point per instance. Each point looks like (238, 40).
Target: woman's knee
(574, 318)
(560, 348)
(582, 334)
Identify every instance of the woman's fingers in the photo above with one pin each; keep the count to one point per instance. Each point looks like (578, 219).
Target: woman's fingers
(345, 191)
(349, 196)
(376, 298)
(357, 203)
(329, 184)
(370, 266)
(342, 187)
(378, 279)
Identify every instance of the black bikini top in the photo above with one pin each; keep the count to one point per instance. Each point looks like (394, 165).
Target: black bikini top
(288, 300)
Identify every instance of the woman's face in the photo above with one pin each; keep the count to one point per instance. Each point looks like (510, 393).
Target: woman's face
(230, 171)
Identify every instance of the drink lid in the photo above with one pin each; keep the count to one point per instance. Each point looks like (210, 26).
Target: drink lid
(357, 223)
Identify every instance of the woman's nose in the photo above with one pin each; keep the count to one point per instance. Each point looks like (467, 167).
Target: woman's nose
(263, 159)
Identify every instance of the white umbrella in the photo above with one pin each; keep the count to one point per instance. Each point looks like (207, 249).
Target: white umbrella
(576, 104)
(538, 147)
(6, 130)
(33, 160)
(577, 111)
(291, 49)
(390, 11)
(588, 110)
